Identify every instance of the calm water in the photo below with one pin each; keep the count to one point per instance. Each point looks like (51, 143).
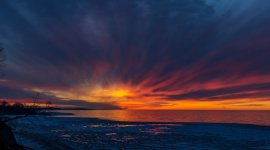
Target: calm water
(243, 117)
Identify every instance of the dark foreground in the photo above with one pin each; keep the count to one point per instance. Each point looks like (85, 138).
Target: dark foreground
(52, 133)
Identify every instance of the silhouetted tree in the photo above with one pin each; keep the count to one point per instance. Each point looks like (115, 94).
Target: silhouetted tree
(4, 104)
(7, 139)
(36, 97)
(2, 61)
(48, 104)
(18, 105)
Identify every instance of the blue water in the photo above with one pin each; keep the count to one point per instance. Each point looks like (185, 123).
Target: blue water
(241, 117)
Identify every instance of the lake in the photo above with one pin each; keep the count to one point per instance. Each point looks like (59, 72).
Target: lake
(198, 116)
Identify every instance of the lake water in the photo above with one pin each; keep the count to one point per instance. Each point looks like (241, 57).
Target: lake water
(202, 116)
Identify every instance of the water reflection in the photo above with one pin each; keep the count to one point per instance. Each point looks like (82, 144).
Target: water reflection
(244, 117)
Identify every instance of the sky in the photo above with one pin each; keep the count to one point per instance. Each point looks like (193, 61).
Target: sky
(137, 54)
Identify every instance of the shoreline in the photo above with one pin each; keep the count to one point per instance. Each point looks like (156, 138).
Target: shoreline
(40, 132)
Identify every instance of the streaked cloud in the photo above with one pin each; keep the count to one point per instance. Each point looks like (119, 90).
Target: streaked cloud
(159, 52)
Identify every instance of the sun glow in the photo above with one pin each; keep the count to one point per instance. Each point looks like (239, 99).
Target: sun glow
(121, 93)
(134, 97)
(112, 93)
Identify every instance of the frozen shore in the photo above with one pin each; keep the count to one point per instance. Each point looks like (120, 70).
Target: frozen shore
(61, 133)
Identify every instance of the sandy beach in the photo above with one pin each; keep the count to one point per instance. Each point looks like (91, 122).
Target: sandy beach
(68, 133)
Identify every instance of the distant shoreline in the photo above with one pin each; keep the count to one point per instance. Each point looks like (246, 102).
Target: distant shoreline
(58, 108)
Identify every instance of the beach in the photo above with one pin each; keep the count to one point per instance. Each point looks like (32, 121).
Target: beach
(135, 75)
(70, 133)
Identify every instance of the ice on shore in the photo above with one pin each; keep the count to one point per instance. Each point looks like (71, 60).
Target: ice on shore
(53, 133)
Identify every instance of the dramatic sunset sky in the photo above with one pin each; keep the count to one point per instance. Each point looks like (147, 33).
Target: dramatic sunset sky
(138, 54)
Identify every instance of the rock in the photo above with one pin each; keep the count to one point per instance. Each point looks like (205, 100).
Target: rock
(7, 139)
